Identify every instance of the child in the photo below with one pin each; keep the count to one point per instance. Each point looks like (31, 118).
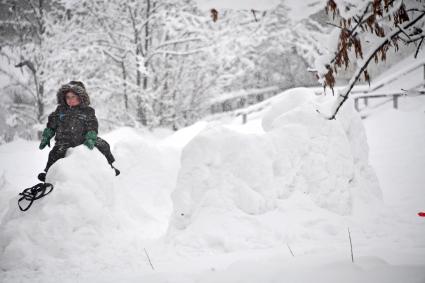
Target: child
(74, 123)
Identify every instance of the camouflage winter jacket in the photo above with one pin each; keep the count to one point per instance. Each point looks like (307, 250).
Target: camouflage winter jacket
(72, 123)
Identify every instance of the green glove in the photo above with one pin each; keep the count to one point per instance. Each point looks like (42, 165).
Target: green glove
(90, 139)
(48, 133)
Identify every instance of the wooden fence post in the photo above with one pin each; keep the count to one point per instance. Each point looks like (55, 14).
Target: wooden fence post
(395, 101)
(356, 104)
(244, 118)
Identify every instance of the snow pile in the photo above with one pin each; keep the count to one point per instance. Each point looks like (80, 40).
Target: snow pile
(326, 159)
(180, 138)
(77, 212)
(92, 219)
(237, 182)
(6, 191)
(312, 154)
(148, 175)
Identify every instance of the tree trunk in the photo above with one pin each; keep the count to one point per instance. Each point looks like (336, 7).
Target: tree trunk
(147, 34)
(124, 77)
(139, 52)
(142, 108)
(40, 103)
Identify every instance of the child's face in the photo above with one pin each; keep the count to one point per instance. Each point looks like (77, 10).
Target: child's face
(72, 99)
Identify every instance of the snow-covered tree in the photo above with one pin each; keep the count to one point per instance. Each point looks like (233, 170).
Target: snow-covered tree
(150, 63)
(27, 20)
(262, 49)
(144, 43)
(27, 45)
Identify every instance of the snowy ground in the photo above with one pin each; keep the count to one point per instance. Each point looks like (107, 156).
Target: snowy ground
(396, 139)
(224, 202)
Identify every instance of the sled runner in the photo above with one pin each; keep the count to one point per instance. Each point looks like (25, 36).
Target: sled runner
(33, 193)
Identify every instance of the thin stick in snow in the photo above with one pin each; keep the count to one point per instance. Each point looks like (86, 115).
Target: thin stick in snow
(351, 245)
(149, 259)
(290, 250)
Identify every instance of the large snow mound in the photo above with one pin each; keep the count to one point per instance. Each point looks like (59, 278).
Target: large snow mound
(78, 212)
(92, 217)
(244, 183)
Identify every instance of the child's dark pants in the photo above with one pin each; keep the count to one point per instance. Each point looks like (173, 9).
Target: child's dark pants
(59, 151)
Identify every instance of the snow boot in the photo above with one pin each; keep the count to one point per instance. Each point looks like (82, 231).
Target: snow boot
(117, 172)
(42, 177)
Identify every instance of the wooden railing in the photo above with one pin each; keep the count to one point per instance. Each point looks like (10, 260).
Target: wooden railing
(240, 99)
(247, 102)
(393, 95)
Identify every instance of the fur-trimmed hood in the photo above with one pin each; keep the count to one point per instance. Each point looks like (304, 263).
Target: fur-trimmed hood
(76, 87)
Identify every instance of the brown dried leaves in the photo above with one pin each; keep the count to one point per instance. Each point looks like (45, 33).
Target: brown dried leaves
(377, 11)
(331, 7)
(343, 48)
(401, 15)
(329, 79)
(214, 14)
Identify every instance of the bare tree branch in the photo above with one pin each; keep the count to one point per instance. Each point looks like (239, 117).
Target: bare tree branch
(27, 63)
(174, 53)
(184, 40)
(371, 55)
(419, 46)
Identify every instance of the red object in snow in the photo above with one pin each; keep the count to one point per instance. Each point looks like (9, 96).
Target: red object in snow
(421, 214)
